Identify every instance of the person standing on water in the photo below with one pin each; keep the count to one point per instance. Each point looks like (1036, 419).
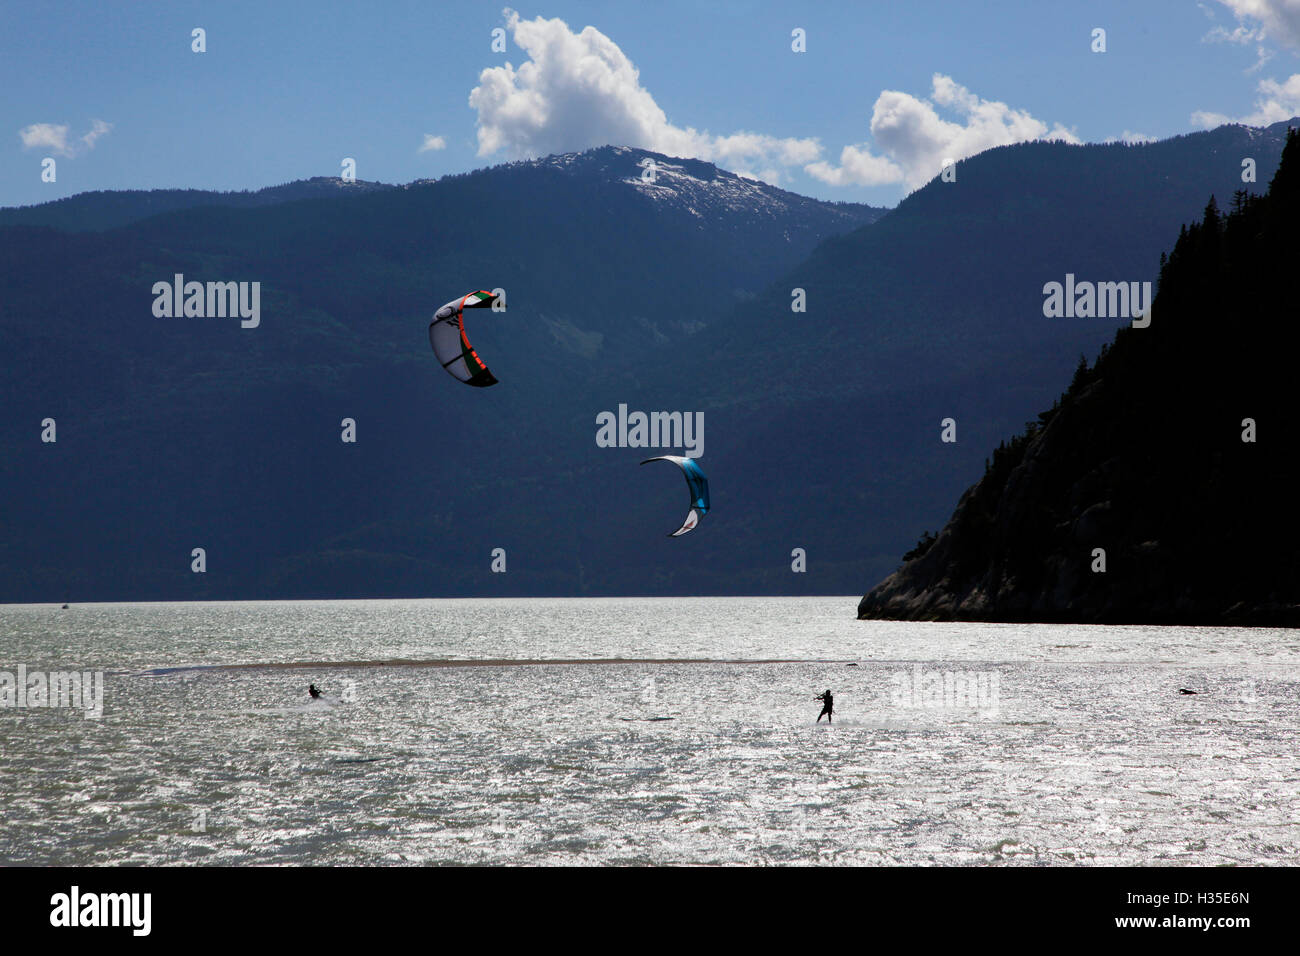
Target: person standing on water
(828, 708)
(313, 690)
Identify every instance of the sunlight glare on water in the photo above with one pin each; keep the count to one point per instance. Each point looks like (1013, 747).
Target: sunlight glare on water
(1081, 751)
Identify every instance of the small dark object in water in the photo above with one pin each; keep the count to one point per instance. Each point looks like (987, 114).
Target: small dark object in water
(850, 665)
(1184, 690)
(313, 690)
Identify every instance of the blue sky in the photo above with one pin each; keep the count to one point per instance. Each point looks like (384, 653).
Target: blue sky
(287, 90)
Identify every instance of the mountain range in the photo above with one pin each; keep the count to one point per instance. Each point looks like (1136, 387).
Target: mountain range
(672, 292)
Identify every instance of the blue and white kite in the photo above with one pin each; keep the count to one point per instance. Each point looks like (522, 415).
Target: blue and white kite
(698, 485)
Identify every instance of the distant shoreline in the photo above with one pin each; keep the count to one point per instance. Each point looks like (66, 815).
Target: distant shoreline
(484, 662)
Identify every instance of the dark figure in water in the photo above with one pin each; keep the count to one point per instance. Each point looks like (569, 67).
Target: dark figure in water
(828, 708)
(313, 690)
(1184, 690)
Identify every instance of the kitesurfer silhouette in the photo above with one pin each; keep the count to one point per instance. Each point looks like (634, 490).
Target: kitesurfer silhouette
(313, 690)
(828, 708)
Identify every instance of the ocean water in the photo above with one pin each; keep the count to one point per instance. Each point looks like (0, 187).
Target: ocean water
(643, 731)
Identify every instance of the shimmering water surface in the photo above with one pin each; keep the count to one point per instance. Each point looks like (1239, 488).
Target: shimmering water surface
(539, 745)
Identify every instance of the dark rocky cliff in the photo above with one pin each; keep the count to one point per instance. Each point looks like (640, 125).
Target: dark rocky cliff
(1146, 459)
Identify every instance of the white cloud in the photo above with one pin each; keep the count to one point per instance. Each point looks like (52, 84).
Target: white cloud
(1262, 56)
(913, 140)
(1276, 102)
(49, 136)
(54, 137)
(1133, 139)
(857, 167)
(1278, 19)
(770, 176)
(1242, 35)
(98, 128)
(1257, 21)
(579, 90)
(432, 142)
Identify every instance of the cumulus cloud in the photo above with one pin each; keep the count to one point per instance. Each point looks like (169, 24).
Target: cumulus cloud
(912, 140)
(432, 143)
(54, 137)
(579, 90)
(1276, 102)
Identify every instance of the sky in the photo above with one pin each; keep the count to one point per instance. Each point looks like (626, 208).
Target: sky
(881, 94)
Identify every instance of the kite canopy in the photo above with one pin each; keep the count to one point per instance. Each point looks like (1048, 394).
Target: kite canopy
(447, 336)
(699, 488)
